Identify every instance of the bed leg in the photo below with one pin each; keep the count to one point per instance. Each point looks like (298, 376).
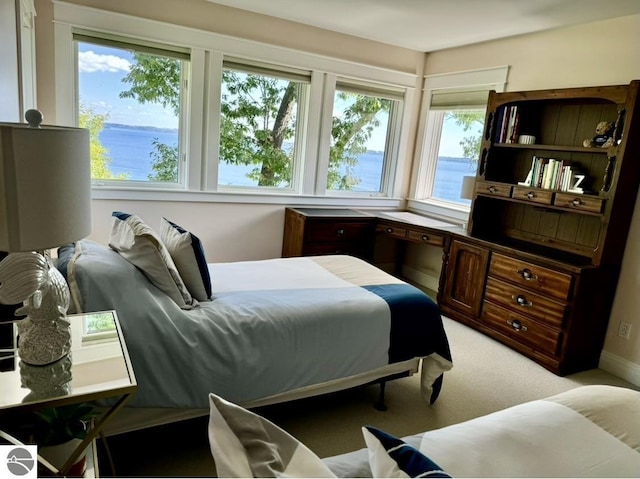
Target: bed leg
(379, 404)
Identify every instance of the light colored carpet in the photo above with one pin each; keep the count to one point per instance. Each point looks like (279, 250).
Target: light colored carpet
(486, 377)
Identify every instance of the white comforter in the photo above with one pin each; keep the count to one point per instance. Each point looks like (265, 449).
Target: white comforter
(590, 431)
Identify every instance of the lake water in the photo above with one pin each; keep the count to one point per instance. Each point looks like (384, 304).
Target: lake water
(129, 150)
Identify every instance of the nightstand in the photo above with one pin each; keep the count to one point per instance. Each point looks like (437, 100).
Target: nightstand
(97, 369)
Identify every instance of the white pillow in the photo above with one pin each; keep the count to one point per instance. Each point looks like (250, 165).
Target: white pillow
(187, 253)
(244, 444)
(141, 246)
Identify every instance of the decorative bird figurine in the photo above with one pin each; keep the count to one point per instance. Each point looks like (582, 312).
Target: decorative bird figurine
(45, 334)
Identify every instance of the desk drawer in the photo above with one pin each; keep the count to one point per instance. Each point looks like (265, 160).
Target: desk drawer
(337, 247)
(522, 301)
(521, 328)
(391, 230)
(322, 232)
(426, 238)
(538, 279)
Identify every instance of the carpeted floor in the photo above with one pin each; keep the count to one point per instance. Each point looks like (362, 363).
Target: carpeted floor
(486, 377)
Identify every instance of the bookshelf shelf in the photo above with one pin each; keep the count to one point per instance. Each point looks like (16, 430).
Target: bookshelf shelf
(576, 149)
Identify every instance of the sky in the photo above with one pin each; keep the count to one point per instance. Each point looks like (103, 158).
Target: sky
(101, 70)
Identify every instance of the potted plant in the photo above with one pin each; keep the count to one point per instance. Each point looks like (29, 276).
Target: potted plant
(59, 430)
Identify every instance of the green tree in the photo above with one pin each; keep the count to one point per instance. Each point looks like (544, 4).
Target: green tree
(258, 117)
(471, 121)
(350, 133)
(100, 158)
(164, 161)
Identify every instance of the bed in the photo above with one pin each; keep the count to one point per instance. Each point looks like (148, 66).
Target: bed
(274, 330)
(589, 431)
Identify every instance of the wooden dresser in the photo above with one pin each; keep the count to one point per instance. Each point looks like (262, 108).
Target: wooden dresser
(318, 231)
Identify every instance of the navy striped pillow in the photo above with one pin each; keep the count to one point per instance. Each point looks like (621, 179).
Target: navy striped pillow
(392, 457)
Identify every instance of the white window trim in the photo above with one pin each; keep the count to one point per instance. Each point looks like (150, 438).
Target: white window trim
(424, 170)
(206, 59)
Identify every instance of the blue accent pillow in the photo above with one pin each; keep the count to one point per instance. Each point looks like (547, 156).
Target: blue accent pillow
(187, 253)
(392, 457)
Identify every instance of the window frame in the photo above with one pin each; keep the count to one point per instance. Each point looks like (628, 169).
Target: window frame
(392, 143)
(116, 41)
(426, 155)
(208, 51)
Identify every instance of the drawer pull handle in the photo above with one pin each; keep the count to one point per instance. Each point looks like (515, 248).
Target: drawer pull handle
(492, 189)
(516, 325)
(577, 202)
(425, 237)
(527, 275)
(340, 232)
(389, 230)
(531, 195)
(521, 300)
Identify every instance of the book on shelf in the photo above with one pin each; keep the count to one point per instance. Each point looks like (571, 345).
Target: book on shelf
(553, 174)
(507, 124)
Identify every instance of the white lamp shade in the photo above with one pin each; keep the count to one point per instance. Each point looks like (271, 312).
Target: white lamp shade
(468, 187)
(45, 186)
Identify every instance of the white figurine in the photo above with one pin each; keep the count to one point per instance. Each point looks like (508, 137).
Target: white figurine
(45, 334)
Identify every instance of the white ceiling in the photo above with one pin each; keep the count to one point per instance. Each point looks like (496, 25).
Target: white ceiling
(428, 25)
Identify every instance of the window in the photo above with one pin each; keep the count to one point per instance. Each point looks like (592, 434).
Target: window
(454, 107)
(363, 136)
(224, 116)
(261, 118)
(130, 97)
(458, 149)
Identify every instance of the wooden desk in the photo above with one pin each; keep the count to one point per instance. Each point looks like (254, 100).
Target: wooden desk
(361, 233)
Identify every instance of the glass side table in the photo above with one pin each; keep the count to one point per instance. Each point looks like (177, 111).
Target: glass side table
(97, 369)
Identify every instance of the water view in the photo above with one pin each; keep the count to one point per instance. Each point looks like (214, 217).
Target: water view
(129, 148)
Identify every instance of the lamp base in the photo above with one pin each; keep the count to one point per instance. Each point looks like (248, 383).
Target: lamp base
(44, 336)
(43, 342)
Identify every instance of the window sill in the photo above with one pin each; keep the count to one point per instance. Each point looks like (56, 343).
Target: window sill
(440, 209)
(114, 193)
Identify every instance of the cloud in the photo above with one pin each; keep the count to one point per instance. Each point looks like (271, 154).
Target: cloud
(90, 62)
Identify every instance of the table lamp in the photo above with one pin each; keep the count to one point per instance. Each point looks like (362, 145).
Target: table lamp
(468, 188)
(45, 202)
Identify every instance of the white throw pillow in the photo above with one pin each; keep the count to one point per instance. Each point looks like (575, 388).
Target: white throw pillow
(187, 253)
(244, 444)
(139, 244)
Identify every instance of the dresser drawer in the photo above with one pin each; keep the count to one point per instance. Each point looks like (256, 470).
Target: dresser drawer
(494, 189)
(523, 301)
(538, 279)
(579, 202)
(533, 195)
(521, 328)
(322, 232)
(391, 230)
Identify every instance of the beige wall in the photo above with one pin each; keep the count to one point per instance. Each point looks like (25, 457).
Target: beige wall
(606, 52)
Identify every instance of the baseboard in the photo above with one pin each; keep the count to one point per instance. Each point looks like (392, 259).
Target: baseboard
(420, 277)
(620, 367)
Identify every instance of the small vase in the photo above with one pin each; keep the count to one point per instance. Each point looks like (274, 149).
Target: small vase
(58, 455)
